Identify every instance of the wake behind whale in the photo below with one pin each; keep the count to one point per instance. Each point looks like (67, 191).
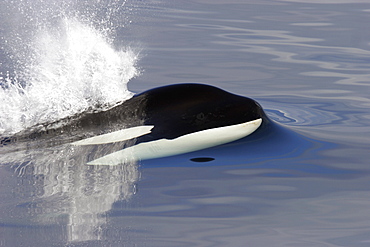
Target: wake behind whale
(157, 123)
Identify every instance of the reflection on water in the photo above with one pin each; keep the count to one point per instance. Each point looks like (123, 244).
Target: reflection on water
(234, 207)
(57, 187)
(289, 48)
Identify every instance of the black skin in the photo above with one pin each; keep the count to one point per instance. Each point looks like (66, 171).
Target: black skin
(182, 109)
(174, 110)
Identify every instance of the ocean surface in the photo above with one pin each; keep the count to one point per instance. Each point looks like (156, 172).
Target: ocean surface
(307, 62)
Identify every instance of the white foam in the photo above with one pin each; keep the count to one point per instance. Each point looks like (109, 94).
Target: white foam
(71, 67)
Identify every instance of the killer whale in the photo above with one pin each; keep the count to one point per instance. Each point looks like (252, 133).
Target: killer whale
(160, 122)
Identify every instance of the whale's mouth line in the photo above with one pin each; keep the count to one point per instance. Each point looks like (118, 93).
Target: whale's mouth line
(164, 147)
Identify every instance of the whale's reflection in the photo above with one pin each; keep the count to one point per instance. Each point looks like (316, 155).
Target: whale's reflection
(58, 188)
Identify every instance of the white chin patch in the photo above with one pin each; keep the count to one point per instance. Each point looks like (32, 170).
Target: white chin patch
(164, 147)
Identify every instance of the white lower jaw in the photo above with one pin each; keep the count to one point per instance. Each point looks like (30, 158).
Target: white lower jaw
(183, 144)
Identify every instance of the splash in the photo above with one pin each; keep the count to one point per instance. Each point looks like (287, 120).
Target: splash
(64, 68)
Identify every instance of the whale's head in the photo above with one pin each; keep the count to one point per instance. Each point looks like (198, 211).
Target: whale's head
(180, 109)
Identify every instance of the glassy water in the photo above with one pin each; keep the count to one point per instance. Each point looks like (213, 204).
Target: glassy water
(304, 183)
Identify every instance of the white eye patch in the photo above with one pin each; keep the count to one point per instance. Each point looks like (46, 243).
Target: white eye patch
(116, 136)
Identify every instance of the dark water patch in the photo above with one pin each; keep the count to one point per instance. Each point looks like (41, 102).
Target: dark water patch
(202, 159)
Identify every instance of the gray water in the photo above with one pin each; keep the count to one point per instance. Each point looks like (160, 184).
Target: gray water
(306, 184)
